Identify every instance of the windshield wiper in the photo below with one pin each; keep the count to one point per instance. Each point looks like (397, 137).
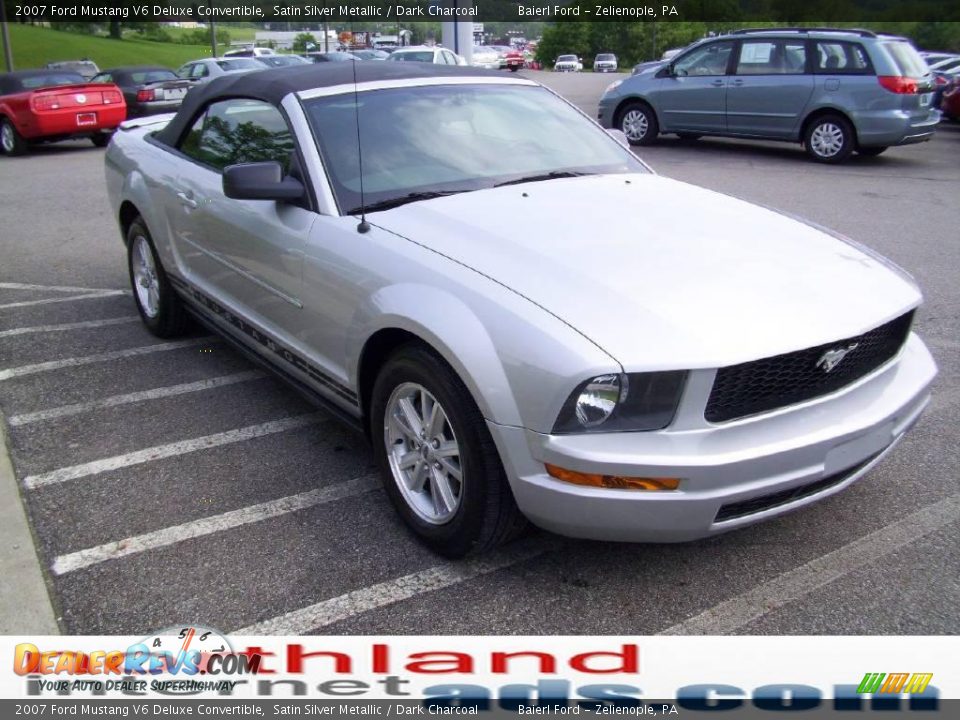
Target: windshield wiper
(403, 200)
(553, 175)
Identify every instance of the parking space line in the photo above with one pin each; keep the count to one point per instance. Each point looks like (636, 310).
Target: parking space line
(327, 612)
(52, 288)
(214, 524)
(69, 298)
(103, 357)
(134, 397)
(731, 615)
(74, 472)
(69, 326)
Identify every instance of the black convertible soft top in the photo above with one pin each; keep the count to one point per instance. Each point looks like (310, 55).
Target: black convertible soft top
(12, 82)
(274, 84)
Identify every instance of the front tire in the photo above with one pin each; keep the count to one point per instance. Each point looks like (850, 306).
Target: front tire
(160, 308)
(829, 139)
(439, 465)
(11, 141)
(639, 123)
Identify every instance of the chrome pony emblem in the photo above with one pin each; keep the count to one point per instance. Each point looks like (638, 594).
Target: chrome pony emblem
(831, 358)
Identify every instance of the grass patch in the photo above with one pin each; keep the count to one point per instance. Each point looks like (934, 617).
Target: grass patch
(34, 47)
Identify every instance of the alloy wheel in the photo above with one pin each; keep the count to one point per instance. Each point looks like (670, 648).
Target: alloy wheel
(423, 453)
(146, 283)
(6, 137)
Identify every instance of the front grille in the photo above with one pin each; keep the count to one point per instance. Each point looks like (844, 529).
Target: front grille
(743, 508)
(775, 382)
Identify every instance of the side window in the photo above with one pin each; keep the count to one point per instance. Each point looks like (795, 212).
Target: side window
(102, 78)
(771, 57)
(706, 60)
(239, 131)
(448, 56)
(840, 58)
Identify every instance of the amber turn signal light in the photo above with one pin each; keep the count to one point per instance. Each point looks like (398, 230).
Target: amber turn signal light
(616, 482)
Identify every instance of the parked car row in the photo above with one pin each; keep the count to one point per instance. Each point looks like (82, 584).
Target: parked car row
(73, 99)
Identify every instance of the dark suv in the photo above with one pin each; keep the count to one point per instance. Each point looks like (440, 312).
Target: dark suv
(833, 90)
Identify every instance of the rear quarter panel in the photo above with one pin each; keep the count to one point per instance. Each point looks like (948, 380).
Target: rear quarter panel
(141, 173)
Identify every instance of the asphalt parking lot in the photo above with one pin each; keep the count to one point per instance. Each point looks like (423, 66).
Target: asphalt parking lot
(173, 482)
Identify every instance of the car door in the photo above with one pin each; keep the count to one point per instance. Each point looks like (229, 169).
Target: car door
(692, 95)
(247, 254)
(769, 89)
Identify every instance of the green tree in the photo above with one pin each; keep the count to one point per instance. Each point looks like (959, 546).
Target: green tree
(303, 42)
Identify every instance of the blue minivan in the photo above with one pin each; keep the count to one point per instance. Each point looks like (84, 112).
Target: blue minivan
(836, 91)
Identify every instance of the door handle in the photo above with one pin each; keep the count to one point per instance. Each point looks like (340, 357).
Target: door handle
(738, 82)
(717, 83)
(185, 199)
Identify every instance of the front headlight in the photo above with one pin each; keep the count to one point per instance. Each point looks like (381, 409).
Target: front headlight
(622, 403)
(613, 86)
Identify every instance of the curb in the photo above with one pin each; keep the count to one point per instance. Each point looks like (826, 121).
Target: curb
(25, 607)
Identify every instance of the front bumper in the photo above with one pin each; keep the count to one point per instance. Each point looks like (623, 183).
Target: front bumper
(733, 474)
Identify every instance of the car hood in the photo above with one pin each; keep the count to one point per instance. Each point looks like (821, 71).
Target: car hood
(659, 273)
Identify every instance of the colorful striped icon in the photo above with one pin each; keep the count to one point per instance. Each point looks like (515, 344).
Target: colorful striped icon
(894, 683)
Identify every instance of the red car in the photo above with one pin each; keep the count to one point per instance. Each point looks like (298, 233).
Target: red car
(50, 105)
(512, 60)
(950, 103)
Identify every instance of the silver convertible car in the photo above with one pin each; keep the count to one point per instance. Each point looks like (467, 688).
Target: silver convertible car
(525, 320)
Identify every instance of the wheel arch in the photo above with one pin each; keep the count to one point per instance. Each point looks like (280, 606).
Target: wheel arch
(443, 323)
(631, 100)
(126, 216)
(827, 110)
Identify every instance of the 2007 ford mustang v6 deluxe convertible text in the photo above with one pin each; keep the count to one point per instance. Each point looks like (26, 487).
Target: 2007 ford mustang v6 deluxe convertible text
(525, 320)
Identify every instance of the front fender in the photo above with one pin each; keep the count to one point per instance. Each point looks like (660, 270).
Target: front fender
(450, 327)
(518, 361)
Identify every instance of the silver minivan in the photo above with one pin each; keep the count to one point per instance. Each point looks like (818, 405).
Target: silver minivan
(835, 91)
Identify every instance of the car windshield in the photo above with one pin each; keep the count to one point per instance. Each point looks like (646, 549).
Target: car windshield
(416, 56)
(51, 80)
(237, 64)
(605, 57)
(907, 59)
(455, 138)
(567, 58)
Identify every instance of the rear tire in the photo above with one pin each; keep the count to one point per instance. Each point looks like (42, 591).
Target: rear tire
(871, 151)
(101, 140)
(639, 123)
(446, 482)
(829, 139)
(160, 308)
(11, 141)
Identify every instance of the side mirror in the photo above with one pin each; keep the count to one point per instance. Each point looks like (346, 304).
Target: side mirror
(260, 181)
(618, 136)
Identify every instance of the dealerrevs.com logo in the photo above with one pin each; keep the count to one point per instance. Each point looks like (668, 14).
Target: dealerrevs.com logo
(187, 651)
